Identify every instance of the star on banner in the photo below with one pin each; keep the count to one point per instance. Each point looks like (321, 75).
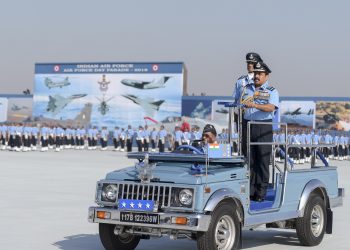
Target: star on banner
(132, 204)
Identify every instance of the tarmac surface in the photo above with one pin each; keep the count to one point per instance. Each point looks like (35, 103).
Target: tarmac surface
(44, 199)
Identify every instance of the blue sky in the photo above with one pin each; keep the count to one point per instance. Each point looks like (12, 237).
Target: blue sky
(305, 43)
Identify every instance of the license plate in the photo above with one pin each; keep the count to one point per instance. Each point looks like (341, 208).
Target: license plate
(139, 218)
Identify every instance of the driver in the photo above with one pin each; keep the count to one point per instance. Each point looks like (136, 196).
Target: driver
(209, 134)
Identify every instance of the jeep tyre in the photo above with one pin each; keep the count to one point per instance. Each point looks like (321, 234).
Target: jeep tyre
(224, 231)
(311, 228)
(110, 241)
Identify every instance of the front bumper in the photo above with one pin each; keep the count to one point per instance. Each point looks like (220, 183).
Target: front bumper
(195, 222)
(337, 201)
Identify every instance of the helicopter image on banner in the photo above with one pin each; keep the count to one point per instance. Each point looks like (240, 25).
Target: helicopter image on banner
(103, 107)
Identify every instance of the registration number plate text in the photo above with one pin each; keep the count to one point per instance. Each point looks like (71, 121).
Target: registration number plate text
(139, 218)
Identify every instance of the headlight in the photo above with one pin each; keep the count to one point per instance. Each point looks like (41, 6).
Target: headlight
(109, 193)
(185, 197)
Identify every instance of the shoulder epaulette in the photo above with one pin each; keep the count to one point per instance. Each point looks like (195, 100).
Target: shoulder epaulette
(270, 88)
(241, 77)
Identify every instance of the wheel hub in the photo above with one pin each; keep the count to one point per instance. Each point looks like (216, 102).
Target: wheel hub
(317, 220)
(225, 233)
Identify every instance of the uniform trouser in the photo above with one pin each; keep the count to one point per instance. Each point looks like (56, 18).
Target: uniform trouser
(145, 145)
(89, 142)
(139, 145)
(26, 141)
(58, 141)
(335, 149)
(64, 140)
(51, 140)
(260, 159)
(341, 151)
(122, 143)
(153, 143)
(18, 141)
(12, 141)
(128, 145)
(161, 145)
(115, 142)
(94, 142)
(44, 142)
(235, 147)
(33, 140)
(79, 141)
(2, 139)
(71, 141)
(302, 153)
(326, 152)
(296, 153)
(177, 144)
(308, 152)
(103, 143)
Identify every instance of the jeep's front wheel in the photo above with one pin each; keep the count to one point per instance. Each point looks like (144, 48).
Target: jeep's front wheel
(110, 241)
(224, 230)
(311, 227)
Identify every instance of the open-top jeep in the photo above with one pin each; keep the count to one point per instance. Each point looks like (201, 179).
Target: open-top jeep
(207, 199)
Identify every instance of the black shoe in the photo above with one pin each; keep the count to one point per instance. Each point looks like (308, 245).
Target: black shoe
(259, 199)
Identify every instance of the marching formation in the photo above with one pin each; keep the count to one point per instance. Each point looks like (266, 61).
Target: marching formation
(339, 144)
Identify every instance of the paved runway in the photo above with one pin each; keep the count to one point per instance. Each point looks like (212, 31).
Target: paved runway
(44, 199)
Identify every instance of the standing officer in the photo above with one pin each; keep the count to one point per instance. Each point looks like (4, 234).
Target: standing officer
(146, 135)
(251, 59)
(161, 138)
(139, 139)
(154, 135)
(116, 135)
(241, 83)
(129, 138)
(262, 108)
(3, 135)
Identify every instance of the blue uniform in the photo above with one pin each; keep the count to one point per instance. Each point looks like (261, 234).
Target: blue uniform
(178, 136)
(262, 95)
(240, 84)
(116, 133)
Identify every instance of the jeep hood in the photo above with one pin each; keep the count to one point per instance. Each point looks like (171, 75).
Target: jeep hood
(181, 174)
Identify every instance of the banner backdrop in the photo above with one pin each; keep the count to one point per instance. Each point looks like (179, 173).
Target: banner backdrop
(19, 109)
(298, 114)
(108, 94)
(197, 108)
(3, 109)
(333, 115)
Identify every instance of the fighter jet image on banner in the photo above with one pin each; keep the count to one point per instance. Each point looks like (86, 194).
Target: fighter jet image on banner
(148, 104)
(103, 107)
(160, 83)
(222, 111)
(17, 108)
(82, 119)
(295, 112)
(59, 84)
(57, 103)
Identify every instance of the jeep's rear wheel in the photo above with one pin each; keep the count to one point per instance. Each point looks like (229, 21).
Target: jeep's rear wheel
(111, 241)
(224, 230)
(311, 227)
